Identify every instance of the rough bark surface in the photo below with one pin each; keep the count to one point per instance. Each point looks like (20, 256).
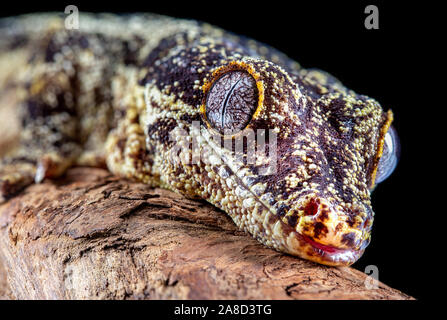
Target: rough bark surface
(91, 235)
(4, 288)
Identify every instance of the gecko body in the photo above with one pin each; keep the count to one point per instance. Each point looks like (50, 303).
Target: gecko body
(180, 104)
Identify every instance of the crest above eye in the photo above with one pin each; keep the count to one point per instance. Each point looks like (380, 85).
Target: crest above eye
(232, 101)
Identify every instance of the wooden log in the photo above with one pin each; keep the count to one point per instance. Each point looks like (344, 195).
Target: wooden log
(4, 288)
(91, 235)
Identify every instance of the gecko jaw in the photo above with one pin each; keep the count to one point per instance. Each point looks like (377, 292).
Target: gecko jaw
(330, 255)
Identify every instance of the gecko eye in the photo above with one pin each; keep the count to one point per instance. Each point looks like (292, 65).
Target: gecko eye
(231, 101)
(390, 155)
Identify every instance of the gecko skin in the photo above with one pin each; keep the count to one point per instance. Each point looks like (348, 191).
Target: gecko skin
(124, 92)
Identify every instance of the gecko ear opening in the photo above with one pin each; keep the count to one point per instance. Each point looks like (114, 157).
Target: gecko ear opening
(231, 101)
(390, 155)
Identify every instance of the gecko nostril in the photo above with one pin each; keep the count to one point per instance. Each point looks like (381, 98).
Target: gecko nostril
(311, 207)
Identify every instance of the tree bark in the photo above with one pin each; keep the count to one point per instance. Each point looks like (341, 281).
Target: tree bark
(5, 293)
(91, 235)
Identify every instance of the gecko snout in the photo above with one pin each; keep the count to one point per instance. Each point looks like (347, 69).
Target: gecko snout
(331, 233)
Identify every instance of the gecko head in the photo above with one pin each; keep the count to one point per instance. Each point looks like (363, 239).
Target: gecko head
(318, 151)
(290, 154)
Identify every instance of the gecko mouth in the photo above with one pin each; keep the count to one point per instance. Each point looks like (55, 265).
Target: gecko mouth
(331, 255)
(328, 249)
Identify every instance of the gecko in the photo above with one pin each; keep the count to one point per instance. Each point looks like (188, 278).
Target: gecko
(289, 153)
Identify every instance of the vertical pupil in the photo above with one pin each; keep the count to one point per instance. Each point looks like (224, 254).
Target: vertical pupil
(231, 101)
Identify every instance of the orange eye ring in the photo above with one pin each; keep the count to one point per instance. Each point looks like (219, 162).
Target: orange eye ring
(216, 75)
(380, 146)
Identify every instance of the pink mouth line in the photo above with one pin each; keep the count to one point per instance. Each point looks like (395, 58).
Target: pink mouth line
(324, 248)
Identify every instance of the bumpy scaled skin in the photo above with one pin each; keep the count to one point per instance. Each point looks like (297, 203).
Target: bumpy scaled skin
(119, 90)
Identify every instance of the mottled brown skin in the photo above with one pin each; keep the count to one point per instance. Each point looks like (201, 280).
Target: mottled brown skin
(120, 90)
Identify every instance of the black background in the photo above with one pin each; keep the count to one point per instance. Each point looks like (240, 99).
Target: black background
(386, 64)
